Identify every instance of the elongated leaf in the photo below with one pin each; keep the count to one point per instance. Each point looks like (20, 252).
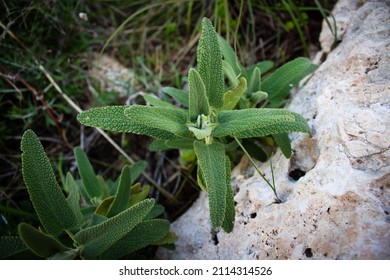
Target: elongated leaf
(136, 170)
(169, 238)
(46, 195)
(102, 208)
(283, 141)
(230, 74)
(165, 119)
(157, 102)
(113, 118)
(178, 94)
(143, 234)
(210, 64)
(264, 67)
(253, 122)
(280, 82)
(99, 238)
(87, 174)
(156, 211)
(73, 197)
(211, 161)
(229, 55)
(11, 246)
(228, 221)
(257, 96)
(140, 195)
(162, 145)
(121, 200)
(255, 81)
(198, 99)
(232, 96)
(40, 243)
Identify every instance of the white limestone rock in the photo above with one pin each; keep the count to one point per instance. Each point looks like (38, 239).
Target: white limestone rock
(339, 208)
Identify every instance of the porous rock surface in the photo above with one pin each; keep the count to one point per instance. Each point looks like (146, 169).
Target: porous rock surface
(336, 186)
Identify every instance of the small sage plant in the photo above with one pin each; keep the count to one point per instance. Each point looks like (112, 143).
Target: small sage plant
(210, 125)
(114, 220)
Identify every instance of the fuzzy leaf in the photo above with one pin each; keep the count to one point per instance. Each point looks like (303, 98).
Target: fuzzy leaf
(254, 122)
(255, 81)
(210, 64)
(229, 72)
(162, 145)
(198, 99)
(138, 196)
(165, 119)
(136, 170)
(178, 94)
(156, 211)
(142, 235)
(99, 238)
(121, 200)
(211, 161)
(229, 55)
(169, 238)
(40, 243)
(46, 195)
(264, 67)
(258, 96)
(228, 221)
(232, 96)
(11, 246)
(157, 102)
(88, 176)
(113, 118)
(103, 207)
(73, 197)
(283, 141)
(280, 82)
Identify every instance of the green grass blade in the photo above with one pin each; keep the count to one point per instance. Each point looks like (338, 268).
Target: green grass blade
(99, 238)
(178, 94)
(40, 243)
(228, 221)
(113, 118)
(46, 195)
(232, 97)
(87, 174)
(122, 196)
(143, 234)
(198, 99)
(254, 122)
(165, 119)
(210, 64)
(283, 141)
(211, 161)
(280, 82)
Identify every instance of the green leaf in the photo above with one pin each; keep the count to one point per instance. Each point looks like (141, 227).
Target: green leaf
(162, 145)
(257, 96)
(198, 99)
(210, 64)
(40, 243)
(283, 141)
(264, 67)
(157, 102)
(255, 81)
(280, 82)
(229, 55)
(136, 170)
(103, 207)
(228, 221)
(46, 195)
(99, 238)
(229, 72)
(143, 234)
(211, 161)
(11, 246)
(178, 94)
(88, 176)
(73, 197)
(169, 238)
(140, 195)
(121, 200)
(254, 122)
(113, 118)
(232, 96)
(157, 210)
(165, 119)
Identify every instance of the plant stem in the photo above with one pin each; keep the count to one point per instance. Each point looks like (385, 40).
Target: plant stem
(258, 170)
